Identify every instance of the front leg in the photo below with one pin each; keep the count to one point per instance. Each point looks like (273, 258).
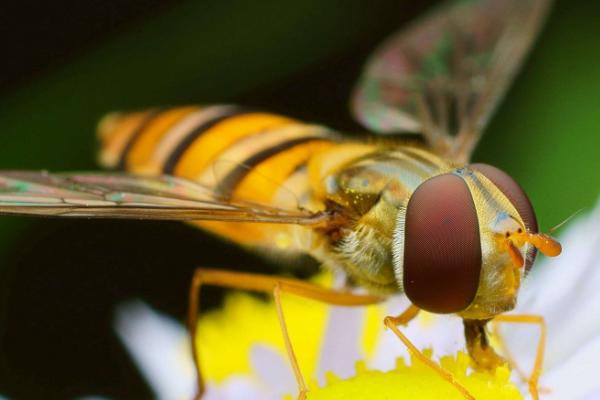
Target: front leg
(265, 284)
(483, 355)
(533, 379)
(403, 319)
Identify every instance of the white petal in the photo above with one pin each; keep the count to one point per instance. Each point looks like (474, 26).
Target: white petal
(577, 376)
(593, 395)
(160, 347)
(237, 387)
(273, 371)
(341, 343)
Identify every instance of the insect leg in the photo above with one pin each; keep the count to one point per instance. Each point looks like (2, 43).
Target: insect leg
(532, 381)
(482, 353)
(266, 284)
(393, 322)
(407, 315)
(302, 389)
(506, 352)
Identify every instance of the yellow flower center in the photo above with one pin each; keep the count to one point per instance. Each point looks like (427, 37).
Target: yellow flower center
(416, 381)
(226, 337)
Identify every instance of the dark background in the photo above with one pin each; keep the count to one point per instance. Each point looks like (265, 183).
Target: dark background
(66, 63)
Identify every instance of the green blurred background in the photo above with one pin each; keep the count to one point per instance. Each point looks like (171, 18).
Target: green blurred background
(66, 63)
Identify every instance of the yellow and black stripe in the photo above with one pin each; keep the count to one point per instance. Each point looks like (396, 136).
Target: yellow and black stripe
(242, 154)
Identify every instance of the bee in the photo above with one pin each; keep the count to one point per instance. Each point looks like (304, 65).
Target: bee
(405, 214)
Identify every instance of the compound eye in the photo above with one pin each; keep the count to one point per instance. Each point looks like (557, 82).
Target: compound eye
(513, 192)
(442, 249)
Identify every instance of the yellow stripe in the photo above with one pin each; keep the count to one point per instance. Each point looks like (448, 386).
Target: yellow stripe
(331, 160)
(296, 191)
(264, 183)
(115, 131)
(145, 144)
(168, 143)
(241, 232)
(267, 177)
(230, 158)
(216, 139)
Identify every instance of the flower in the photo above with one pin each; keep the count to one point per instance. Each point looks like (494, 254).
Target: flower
(350, 354)
(246, 358)
(566, 291)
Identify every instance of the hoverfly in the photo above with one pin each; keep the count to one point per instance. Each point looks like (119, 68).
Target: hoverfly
(397, 215)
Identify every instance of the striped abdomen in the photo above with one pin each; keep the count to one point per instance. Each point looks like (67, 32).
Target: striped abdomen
(241, 154)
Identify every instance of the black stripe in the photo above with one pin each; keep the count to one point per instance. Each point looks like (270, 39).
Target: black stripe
(122, 164)
(418, 157)
(228, 184)
(177, 153)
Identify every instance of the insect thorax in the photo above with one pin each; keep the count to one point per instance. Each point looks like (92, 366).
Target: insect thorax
(371, 189)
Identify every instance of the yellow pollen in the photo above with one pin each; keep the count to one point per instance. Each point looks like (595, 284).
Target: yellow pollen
(417, 382)
(227, 336)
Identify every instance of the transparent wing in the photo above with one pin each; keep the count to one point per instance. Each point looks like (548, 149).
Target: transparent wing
(112, 195)
(444, 75)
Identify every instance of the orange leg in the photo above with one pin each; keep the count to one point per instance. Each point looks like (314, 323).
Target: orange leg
(302, 389)
(507, 353)
(267, 284)
(533, 379)
(510, 358)
(403, 319)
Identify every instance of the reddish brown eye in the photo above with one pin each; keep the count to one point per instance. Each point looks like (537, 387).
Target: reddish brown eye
(513, 192)
(442, 251)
